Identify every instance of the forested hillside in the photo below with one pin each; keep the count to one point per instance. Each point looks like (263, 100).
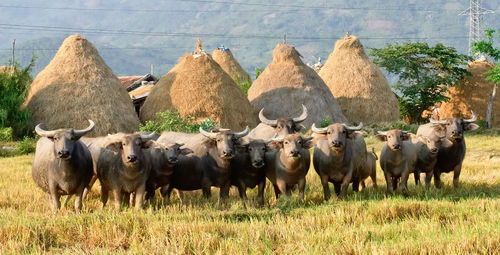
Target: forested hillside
(132, 35)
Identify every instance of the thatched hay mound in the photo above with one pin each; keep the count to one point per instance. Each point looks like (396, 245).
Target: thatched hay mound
(287, 83)
(229, 64)
(199, 87)
(78, 85)
(358, 84)
(472, 93)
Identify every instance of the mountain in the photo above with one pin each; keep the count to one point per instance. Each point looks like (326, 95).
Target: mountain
(132, 35)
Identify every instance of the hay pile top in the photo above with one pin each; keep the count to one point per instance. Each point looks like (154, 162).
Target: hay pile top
(224, 57)
(358, 84)
(199, 87)
(78, 85)
(472, 93)
(287, 83)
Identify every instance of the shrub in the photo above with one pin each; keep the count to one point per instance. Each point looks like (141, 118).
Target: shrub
(325, 122)
(27, 145)
(13, 90)
(258, 71)
(172, 121)
(372, 128)
(243, 84)
(6, 134)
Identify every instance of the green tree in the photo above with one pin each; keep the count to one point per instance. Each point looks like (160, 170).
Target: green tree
(486, 47)
(14, 84)
(424, 72)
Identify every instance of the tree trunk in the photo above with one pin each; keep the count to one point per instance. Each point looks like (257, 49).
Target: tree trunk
(490, 107)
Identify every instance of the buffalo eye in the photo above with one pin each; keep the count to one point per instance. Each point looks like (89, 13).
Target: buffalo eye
(264, 149)
(249, 149)
(343, 132)
(329, 132)
(286, 142)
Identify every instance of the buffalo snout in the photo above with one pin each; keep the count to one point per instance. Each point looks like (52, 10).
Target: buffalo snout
(258, 163)
(131, 158)
(64, 154)
(396, 147)
(337, 144)
(295, 154)
(227, 154)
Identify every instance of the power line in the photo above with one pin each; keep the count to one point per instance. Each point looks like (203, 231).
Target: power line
(212, 35)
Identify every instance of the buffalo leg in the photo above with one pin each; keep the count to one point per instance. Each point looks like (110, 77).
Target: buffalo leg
(89, 186)
(78, 198)
(276, 191)
(139, 196)
(345, 184)
(336, 187)
(416, 175)
(302, 187)
(456, 175)
(388, 181)
(54, 197)
(260, 194)
(104, 195)
(206, 192)
(403, 186)
(224, 192)
(437, 179)
(363, 185)
(355, 185)
(242, 190)
(282, 187)
(326, 188)
(117, 196)
(428, 178)
(373, 176)
(165, 192)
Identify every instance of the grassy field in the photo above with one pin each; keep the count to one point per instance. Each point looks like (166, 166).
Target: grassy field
(462, 221)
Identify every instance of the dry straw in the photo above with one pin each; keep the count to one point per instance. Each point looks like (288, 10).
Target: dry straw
(78, 85)
(287, 83)
(358, 84)
(472, 93)
(229, 64)
(198, 86)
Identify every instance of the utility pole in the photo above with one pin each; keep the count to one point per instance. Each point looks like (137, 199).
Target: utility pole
(13, 53)
(475, 13)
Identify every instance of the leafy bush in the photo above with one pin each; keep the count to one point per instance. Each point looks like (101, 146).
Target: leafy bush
(6, 134)
(27, 145)
(172, 121)
(371, 129)
(243, 84)
(13, 90)
(258, 71)
(325, 122)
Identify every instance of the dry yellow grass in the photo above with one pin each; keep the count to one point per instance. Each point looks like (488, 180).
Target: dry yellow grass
(445, 221)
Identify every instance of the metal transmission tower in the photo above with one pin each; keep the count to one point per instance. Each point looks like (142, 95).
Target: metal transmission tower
(475, 13)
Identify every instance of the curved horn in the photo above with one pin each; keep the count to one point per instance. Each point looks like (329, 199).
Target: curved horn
(41, 132)
(382, 132)
(359, 127)
(277, 139)
(318, 130)
(242, 133)
(474, 118)
(302, 117)
(405, 132)
(82, 132)
(210, 135)
(265, 120)
(437, 121)
(150, 136)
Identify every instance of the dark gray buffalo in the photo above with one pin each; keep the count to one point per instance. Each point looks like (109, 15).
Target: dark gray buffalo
(339, 157)
(398, 158)
(247, 168)
(451, 152)
(209, 164)
(427, 152)
(287, 166)
(124, 167)
(62, 164)
(269, 128)
(163, 159)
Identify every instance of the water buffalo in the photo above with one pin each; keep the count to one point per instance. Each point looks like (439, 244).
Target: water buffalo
(398, 158)
(339, 157)
(427, 151)
(269, 128)
(247, 168)
(288, 165)
(124, 167)
(208, 165)
(451, 154)
(163, 159)
(62, 164)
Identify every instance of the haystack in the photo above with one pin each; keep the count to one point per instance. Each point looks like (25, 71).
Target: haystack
(226, 60)
(197, 86)
(472, 93)
(78, 85)
(358, 84)
(287, 83)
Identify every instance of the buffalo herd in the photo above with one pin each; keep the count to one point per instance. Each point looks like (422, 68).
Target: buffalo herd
(132, 167)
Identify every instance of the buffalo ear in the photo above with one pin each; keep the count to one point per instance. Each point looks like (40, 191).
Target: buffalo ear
(115, 147)
(275, 145)
(186, 151)
(471, 126)
(299, 127)
(307, 142)
(148, 144)
(382, 137)
(406, 136)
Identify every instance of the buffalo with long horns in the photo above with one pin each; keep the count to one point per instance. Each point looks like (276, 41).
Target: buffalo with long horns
(269, 128)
